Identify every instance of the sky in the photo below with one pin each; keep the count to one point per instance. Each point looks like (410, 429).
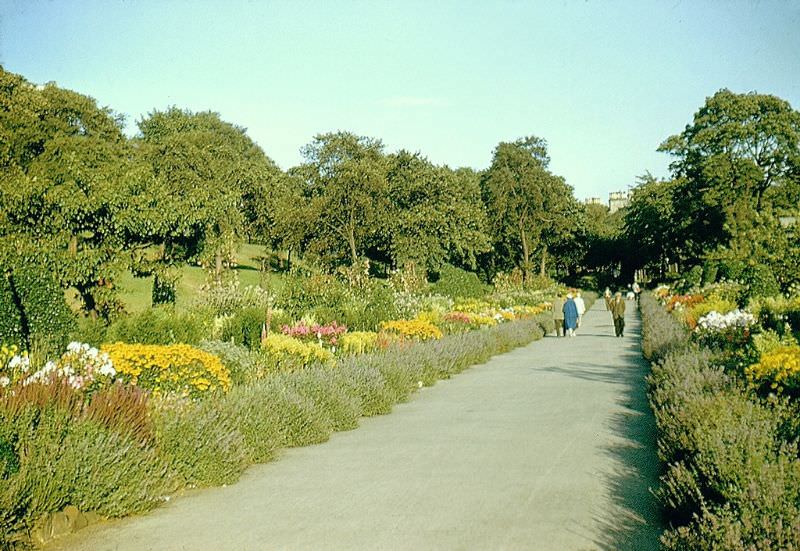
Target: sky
(603, 82)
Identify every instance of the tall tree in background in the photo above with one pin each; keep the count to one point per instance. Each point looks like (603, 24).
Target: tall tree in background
(208, 187)
(740, 151)
(529, 208)
(344, 182)
(435, 214)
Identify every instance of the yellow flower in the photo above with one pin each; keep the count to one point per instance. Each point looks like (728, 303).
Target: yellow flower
(177, 368)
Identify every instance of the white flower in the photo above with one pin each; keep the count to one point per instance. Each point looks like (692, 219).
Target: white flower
(74, 347)
(5, 381)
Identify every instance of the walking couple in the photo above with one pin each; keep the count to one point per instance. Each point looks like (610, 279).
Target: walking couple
(567, 313)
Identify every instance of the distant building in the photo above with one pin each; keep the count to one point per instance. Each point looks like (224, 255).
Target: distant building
(592, 201)
(618, 200)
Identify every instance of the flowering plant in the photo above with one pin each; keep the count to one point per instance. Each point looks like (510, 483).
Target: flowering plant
(178, 368)
(82, 367)
(731, 331)
(285, 353)
(14, 365)
(778, 370)
(414, 329)
(323, 334)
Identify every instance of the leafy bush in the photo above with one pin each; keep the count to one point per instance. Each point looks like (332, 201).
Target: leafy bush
(33, 310)
(178, 368)
(244, 327)
(662, 332)
(199, 442)
(457, 283)
(229, 298)
(241, 363)
(284, 354)
(162, 325)
(732, 477)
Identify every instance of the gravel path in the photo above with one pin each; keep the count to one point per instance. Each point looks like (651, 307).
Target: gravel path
(550, 446)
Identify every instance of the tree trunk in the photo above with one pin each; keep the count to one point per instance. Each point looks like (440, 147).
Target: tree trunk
(543, 264)
(351, 239)
(218, 268)
(526, 255)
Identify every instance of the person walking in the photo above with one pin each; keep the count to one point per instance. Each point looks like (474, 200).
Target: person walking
(581, 307)
(570, 316)
(618, 313)
(607, 298)
(558, 315)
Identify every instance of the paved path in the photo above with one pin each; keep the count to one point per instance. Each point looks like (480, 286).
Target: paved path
(550, 446)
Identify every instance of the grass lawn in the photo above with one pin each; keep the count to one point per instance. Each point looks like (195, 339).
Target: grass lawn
(135, 292)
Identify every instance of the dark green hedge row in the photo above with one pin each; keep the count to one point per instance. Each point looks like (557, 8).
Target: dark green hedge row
(113, 457)
(732, 474)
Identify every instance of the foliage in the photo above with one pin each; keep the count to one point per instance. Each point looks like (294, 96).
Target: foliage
(176, 368)
(161, 325)
(530, 209)
(732, 478)
(286, 354)
(230, 298)
(199, 442)
(359, 342)
(435, 215)
(779, 369)
(241, 363)
(345, 192)
(243, 327)
(414, 329)
(457, 283)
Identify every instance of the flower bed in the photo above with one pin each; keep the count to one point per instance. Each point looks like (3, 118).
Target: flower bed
(732, 474)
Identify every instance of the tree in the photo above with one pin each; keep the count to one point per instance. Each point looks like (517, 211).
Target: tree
(529, 208)
(739, 151)
(206, 186)
(435, 214)
(344, 183)
(66, 167)
(650, 223)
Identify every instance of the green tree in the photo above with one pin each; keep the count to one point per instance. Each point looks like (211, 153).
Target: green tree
(205, 187)
(650, 223)
(66, 177)
(435, 214)
(740, 150)
(344, 183)
(530, 209)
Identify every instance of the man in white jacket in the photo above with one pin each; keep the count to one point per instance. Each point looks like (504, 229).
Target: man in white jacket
(581, 306)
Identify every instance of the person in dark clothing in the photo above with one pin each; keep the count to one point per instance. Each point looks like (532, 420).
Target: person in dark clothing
(618, 313)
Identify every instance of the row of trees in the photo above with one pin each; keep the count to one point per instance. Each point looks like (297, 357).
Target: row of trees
(732, 206)
(82, 199)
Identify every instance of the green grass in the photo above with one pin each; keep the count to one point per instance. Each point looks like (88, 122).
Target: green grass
(135, 292)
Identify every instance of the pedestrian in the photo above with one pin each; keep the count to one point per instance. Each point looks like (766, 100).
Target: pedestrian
(607, 297)
(581, 307)
(637, 291)
(558, 315)
(618, 313)
(570, 316)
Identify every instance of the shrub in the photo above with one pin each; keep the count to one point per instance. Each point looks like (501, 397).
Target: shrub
(177, 368)
(778, 370)
(241, 363)
(244, 327)
(34, 312)
(162, 325)
(337, 407)
(661, 333)
(229, 298)
(285, 354)
(414, 329)
(457, 283)
(199, 442)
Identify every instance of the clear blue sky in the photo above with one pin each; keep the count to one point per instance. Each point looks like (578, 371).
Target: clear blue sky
(603, 82)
